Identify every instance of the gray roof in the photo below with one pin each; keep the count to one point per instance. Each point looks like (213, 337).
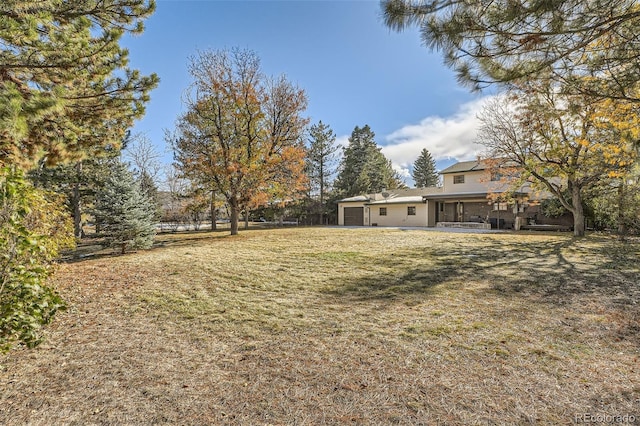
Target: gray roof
(399, 200)
(462, 195)
(465, 166)
(476, 165)
(357, 198)
(454, 195)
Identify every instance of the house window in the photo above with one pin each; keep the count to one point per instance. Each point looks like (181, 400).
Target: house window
(411, 210)
(496, 176)
(458, 179)
(383, 211)
(500, 206)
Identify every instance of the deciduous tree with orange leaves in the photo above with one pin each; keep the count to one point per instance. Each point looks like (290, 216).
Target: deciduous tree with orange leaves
(241, 134)
(564, 144)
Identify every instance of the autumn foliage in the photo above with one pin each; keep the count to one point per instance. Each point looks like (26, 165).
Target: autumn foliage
(564, 144)
(241, 136)
(34, 227)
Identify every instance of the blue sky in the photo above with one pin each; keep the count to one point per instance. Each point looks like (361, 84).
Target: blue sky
(354, 70)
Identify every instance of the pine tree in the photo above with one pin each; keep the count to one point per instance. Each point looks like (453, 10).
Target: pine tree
(364, 168)
(424, 170)
(144, 162)
(321, 162)
(149, 190)
(66, 94)
(513, 42)
(65, 87)
(80, 181)
(123, 213)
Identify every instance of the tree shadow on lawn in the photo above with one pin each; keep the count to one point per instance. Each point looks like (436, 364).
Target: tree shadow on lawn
(94, 248)
(551, 270)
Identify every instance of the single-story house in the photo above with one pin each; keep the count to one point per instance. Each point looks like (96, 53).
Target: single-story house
(466, 197)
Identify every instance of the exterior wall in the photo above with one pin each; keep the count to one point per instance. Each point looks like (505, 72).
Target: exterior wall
(474, 181)
(477, 211)
(397, 215)
(431, 213)
(341, 207)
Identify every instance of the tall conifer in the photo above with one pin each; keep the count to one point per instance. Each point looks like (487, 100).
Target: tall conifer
(364, 168)
(66, 90)
(321, 162)
(424, 170)
(123, 213)
(590, 47)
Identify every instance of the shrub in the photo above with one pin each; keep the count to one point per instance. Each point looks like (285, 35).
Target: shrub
(34, 227)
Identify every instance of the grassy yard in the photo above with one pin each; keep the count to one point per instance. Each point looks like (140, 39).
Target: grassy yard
(311, 326)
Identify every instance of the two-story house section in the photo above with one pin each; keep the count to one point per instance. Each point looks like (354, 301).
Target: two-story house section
(470, 194)
(466, 190)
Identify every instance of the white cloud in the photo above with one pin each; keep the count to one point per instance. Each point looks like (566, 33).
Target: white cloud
(343, 141)
(450, 137)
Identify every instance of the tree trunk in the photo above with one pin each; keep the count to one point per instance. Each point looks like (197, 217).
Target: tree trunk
(77, 215)
(321, 193)
(212, 206)
(235, 213)
(578, 212)
(75, 204)
(622, 224)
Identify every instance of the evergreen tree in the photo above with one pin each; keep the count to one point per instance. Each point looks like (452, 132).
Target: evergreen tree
(424, 170)
(144, 162)
(66, 93)
(65, 87)
(321, 162)
(513, 42)
(123, 213)
(616, 203)
(149, 190)
(79, 182)
(364, 168)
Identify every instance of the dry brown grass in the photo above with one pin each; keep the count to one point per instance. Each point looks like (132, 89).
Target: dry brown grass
(313, 326)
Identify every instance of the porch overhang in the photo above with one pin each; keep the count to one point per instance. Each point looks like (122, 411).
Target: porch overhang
(466, 196)
(398, 200)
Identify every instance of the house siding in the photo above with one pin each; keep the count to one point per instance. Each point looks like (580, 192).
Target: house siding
(474, 181)
(341, 207)
(431, 213)
(397, 215)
